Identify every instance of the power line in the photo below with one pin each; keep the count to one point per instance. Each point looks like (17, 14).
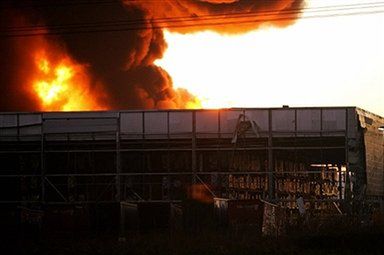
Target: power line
(188, 25)
(198, 18)
(38, 4)
(217, 21)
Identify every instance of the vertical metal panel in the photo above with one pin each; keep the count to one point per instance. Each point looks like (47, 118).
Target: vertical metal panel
(131, 123)
(207, 124)
(334, 119)
(79, 125)
(29, 125)
(79, 122)
(180, 124)
(283, 120)
(29, 119)
(228, 120)
(8, 120)
(155, 124)
(352, 124)
(8, 127)
(373, 139)
(260, 117)
(308, 120)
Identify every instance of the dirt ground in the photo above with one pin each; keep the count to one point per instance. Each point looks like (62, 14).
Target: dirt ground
(195, 243)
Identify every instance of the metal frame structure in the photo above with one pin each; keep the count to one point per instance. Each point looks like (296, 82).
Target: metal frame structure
(133, 156)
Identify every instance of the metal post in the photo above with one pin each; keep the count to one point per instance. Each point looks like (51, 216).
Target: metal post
(118, 161)
(18, 127)
(321, 122)
(168, 184)
(295, 126)
(143, 154)
(346, 163)
(194, 147)
(42, 163)
(271, 181)
(122, 223)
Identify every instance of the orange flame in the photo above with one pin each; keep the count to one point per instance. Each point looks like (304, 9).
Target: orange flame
(63, 85)
(199, 192)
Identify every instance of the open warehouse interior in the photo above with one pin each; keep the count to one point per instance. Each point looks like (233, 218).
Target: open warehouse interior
(322, 160)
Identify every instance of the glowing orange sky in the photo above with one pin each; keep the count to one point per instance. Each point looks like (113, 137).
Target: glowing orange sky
(315, 62)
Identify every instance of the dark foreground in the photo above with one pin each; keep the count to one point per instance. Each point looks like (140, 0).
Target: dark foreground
(199, 243)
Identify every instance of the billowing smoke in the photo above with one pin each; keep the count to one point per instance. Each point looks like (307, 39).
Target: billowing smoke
(14, 59)
(119, 42)
(224, 16)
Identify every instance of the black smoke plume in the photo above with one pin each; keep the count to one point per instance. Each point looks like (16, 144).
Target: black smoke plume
(120, 40)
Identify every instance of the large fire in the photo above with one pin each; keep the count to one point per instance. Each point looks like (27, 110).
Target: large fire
(195, 54)
(63, 85)
(295, 65)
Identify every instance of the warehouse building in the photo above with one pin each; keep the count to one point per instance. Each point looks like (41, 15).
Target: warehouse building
(331, 158)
